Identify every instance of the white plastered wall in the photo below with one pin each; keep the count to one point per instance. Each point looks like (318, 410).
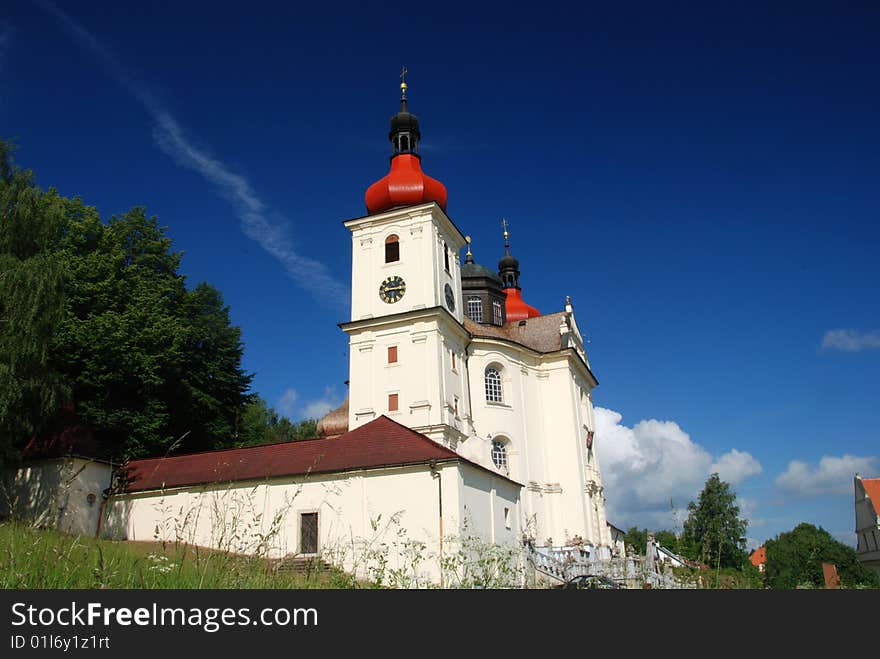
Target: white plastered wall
(60, 493)
(358, 513)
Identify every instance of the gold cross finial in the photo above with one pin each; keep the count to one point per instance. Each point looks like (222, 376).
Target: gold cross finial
(467, 239)
(403, 73)
(506, 232)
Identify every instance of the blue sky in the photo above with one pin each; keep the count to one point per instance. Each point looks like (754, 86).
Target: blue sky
(703, 182)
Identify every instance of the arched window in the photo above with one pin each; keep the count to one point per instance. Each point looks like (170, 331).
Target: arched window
(392, 248)
(446, 256)
(475, 309)
(496, 312)
(499, 455)
(493, 385)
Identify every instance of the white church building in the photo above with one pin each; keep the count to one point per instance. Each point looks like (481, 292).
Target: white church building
(469, 414)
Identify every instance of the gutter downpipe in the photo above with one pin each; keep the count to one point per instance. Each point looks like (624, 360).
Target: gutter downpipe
(435, 474)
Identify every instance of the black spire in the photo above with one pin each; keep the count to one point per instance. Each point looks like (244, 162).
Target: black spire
(404, 133)
(508, 266)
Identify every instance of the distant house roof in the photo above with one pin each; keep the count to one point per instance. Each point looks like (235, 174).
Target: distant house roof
(66, 434)
(872, 489)
(758, 557)
(379, 443)
(614, 528)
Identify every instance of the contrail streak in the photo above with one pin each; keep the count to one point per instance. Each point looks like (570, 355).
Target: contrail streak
(171, 138)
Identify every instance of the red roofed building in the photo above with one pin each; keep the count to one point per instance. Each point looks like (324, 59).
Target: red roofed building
(61, 480)
(758, 558)
(867, 510)
(378, 485)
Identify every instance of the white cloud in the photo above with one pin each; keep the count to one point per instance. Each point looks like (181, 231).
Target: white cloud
(290, 405)
(315, 409)
(171, 138)
(287, 403)
(833, 475)
(735, 466)
(653, 469)
(850, 340)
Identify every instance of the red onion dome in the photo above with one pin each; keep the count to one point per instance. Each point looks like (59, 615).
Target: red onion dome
(516, 307)
(406, 184)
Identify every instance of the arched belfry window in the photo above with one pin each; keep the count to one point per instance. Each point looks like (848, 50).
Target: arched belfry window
(494, 393)
(392, 248)
(499, 455)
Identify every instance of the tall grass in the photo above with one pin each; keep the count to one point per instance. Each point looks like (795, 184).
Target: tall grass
(34, 558)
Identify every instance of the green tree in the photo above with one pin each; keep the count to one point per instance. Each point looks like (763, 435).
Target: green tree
(636, 540)
(714, 533)
(262, 424)
(32, 281)
(98, 313)
(122, 340)
(795, 558)
(154, 366)
(209, 387)
(667, 539)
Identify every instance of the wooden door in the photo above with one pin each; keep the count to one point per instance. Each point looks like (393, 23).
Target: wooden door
(308, 533)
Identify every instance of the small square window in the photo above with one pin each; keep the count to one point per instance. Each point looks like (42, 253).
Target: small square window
(392, 402)
(392, 354)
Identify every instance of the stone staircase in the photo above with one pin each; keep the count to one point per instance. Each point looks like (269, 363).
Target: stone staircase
(556, 565)
(305, 565)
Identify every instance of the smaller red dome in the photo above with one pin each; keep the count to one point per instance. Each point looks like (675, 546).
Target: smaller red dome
(405, 185)
(516, 307)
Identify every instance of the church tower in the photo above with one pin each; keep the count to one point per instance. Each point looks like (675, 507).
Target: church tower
(406, 338)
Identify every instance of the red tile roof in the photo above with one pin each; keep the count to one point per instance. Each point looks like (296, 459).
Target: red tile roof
(872, 489)
(758, 557)
(64, 435)
(379, 443)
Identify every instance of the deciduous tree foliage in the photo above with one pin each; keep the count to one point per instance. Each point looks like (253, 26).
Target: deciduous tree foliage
(261, 424)
(636, 539)
(795, 559)
(99, 314)
(714, 533)
(32, 286)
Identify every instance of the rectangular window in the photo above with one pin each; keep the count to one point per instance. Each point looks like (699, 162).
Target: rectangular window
(453, 360)
(392, 402)
(456, 406)
(507, 518)
(496, 312)
(392, 354)
(475, 309)
(446, 257)
(392, 249)
(308, 533)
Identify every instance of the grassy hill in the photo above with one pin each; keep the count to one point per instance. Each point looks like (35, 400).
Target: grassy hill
(32, 558)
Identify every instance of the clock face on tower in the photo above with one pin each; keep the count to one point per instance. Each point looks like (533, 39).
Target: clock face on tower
(392, 289)
(450, 298)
